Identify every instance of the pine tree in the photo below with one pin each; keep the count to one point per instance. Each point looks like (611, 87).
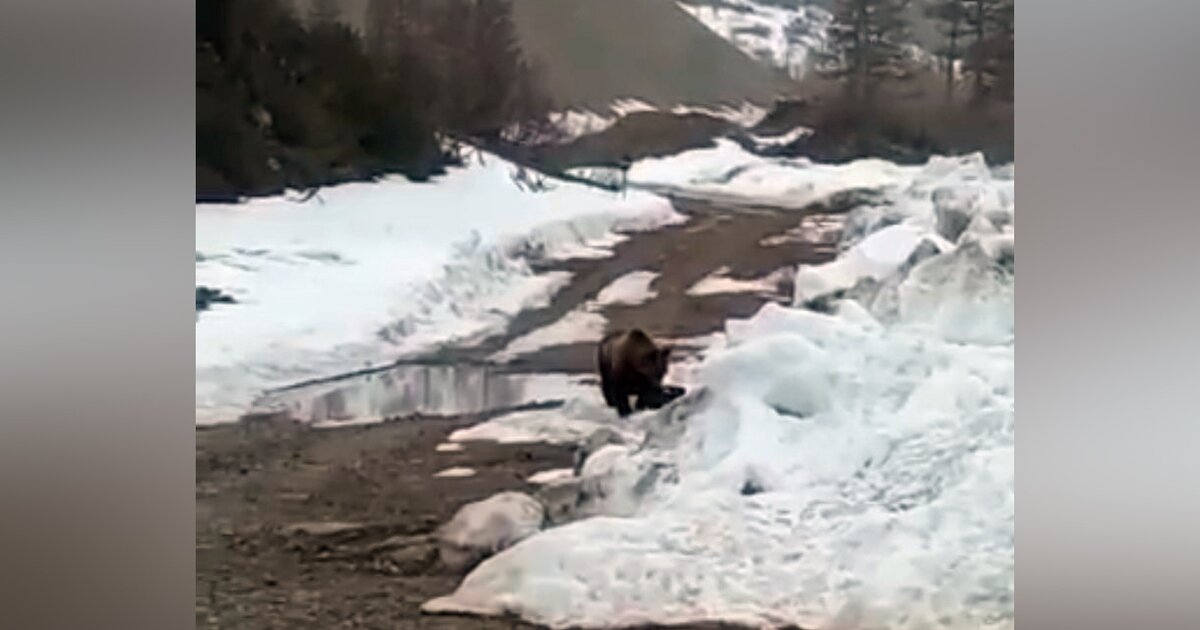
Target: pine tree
(324, 12)
(951, 15)
(867, 39)
(989, 58)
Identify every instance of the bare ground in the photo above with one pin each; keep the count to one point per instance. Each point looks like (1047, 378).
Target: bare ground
(299, 527)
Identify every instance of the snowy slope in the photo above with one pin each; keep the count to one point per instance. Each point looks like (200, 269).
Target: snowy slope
(851, 469)
(781, 34)
(366, 272)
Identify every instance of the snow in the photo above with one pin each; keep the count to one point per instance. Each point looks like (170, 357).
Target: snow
(630, 289)
(779, 36)
(720, 282)
(484, 527)
(577, 326)
(876, 257)
(364, 273)
(845, 469)
(569, 424)
(626, 106)
(813, 228)
(447, 447)
(780, 140)
(549, 477)
(571, 124)
(427, 389)
(729, 172)
(584, 324)
(946, 204)
(745, 115)
(456, 472)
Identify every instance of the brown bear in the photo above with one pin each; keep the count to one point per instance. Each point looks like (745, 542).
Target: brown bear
(631, 364)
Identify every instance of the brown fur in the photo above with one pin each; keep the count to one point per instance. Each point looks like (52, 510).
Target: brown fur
(631, 364)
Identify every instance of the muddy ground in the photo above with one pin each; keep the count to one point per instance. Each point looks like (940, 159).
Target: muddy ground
(299, 527)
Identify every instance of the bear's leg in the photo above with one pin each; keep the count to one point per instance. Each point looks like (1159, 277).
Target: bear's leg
(623, 408)
(607, 386)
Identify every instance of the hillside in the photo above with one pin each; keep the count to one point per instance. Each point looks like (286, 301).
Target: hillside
(593, 53)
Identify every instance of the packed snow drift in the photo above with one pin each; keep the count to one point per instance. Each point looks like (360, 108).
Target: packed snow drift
(364, 273)
(848, 467)
(730, 173)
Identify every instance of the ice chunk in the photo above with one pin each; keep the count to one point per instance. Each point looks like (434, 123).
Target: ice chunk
(964, 295)
(875, 257)
(482, 528)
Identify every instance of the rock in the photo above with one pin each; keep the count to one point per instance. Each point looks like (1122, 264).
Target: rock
(206, 297)
(480, 529)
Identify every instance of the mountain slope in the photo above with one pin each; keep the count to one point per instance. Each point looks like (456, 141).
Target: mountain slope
(593, 53)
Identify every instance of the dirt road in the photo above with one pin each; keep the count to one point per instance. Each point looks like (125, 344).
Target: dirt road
(330, 528)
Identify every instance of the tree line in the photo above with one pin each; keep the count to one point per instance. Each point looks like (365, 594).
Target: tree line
(880, 98)
(296, 101)
(869, 46)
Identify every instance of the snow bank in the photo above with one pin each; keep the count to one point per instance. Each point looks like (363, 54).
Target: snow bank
(363, 273)
(928, 251)
(845, 469)
(730, 172)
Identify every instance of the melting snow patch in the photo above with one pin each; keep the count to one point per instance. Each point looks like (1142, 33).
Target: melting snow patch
(569, 424)
(781, 140)
(632, 288)
(457, 471)
(448, 447)
(720, 282)
(813, 228)
(547, 477)
(577, 326)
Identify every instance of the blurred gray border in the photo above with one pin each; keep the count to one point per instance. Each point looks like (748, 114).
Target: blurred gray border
(96, 375)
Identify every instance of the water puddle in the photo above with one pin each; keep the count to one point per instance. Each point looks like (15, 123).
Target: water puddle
(418, 389)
